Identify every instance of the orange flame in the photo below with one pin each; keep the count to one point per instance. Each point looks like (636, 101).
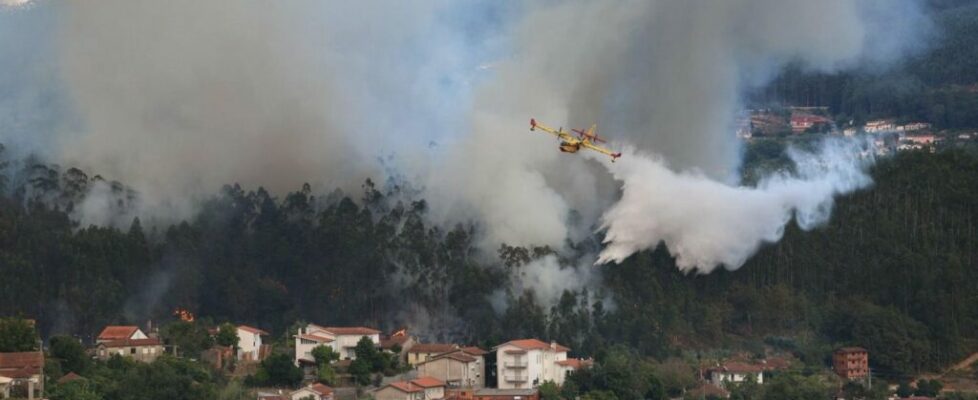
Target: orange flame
(184, 315)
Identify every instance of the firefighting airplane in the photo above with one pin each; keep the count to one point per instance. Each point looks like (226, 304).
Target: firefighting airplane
(571, 144)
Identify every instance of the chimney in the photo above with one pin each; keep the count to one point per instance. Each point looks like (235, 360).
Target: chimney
(553, 345)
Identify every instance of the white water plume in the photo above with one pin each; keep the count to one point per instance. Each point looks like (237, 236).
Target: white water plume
(706, 223)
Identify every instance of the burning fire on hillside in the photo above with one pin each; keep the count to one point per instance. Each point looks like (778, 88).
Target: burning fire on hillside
(184, 315)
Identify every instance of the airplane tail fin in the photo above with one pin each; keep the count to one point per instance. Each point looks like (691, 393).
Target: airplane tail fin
(533, 124)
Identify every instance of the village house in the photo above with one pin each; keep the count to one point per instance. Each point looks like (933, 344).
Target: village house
(526, 363)
(114, 333)
(880, 125)
(342, 340)
(507, 394)
(802, 122)
(423, 388)
(735, 372)
(250, 347)
(421, 352)
(22, 374)
(462, 368)
(851, 362)
(143, 350)
(316, 391)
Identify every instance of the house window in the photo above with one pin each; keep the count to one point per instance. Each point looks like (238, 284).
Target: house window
(132, 350)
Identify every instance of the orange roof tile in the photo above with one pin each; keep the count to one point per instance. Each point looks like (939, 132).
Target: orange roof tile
(455, 355)
(534, 344)
(475, 351)
(316, 338)
(428, 382)
(406, 387)
(71, 376)
(737, 366)
(432, 348)
(252, 330)
(321, 389)
(117, 332)
(353, 330)
(22, 364)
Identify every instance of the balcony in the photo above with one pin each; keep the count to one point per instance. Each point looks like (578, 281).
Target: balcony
(515, 364)
(516, 378)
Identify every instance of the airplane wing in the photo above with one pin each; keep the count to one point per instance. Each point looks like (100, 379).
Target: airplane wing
(559, 133)
(601, 150)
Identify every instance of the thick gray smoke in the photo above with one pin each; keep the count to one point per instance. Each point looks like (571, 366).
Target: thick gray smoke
(668, 77)
(176, 98)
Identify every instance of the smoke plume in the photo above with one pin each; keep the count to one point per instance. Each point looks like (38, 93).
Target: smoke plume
(177, 98)
(706, 223)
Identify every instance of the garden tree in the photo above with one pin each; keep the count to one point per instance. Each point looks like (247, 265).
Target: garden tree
(795, 386)
(73, 390)
(277, 370)
(121, 378)
(17, 334)
(376, 360)
(600, 395)
(549, 391)
(928, 388)
(676, 376)
(324, 356)
(190, 338)
(360, 371)
(904, 389)
(227, 335)
(69, 353)
(234, 390)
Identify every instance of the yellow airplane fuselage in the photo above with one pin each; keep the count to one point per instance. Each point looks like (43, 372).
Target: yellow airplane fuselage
(568, 147)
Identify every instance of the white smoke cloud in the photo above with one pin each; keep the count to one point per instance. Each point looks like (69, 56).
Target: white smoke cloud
(666, 78)
(706, 223)
(548, 280)
(179, 97)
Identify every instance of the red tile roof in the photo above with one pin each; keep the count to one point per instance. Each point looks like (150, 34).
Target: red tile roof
(432, 348)
(533, 344)
(321, 389)
(455, 355)
(71, 376)
(428, 382)
(316, 338)
(406, 387)
(776, 363)
(252, 330)
(475, 351)
(354, 330)
(117, 332)
(133, 343)
(21, 365)
(739, 367)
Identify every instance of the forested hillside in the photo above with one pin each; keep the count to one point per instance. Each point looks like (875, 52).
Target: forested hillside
(894, 271)
(938, 84)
